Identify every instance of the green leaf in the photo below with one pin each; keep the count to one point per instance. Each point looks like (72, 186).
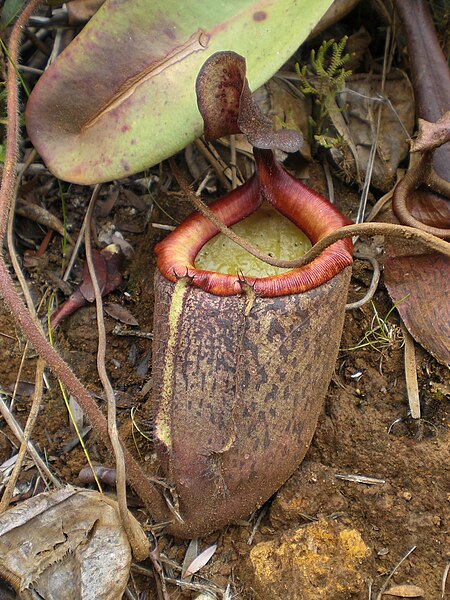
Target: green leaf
(122, 96)
(10, 10)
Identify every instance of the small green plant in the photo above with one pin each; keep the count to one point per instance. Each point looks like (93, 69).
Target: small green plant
(323, 79)
(382, 334)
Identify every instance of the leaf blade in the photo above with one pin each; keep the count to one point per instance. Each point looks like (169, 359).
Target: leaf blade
(160, 116)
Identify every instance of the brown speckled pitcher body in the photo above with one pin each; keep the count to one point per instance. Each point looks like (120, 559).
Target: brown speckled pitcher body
(241, 393)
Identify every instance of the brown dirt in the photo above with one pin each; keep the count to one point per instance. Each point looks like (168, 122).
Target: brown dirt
(363, 429)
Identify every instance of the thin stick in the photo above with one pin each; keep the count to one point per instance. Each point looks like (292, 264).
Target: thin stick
(379, 205)
(80, 238)
(412, 386)
(19, 373)
(234, 181)
(214, 162)
(444, 578)
(17, 431)
(329, 180)
(10, 239)
(392, 573)
(387, 229)
(121, 484)
(34, 411)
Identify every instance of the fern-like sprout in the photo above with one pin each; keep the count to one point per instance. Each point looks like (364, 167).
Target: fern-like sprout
(324, 79)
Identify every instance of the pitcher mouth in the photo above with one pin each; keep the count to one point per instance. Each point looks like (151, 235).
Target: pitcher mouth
(307, 209)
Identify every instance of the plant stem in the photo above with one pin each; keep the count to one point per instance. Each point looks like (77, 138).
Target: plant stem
(431, 83)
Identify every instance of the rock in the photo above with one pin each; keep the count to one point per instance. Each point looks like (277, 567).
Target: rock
(323, 560)
(312, 490)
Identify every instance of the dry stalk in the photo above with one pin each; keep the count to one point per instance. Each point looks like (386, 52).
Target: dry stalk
(139, 550)
(369, 167)
(412, 385)
(392, 573)
(17, 431)
(215, 161)
(233, 162)
(34, 411)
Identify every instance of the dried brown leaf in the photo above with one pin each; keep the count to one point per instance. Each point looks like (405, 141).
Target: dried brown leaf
(405, 591)
(360, 104)
(86, 288)
(45, 218)
(108, 266)
(120, 313)
(64, 540)
(76, 417)
(419, 285)
(189, 557)
(412, 385)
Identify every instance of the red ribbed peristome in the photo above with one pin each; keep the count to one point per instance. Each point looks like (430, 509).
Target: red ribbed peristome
(312, 213)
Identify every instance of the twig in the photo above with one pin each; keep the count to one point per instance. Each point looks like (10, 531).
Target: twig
(34, 411)
(162, 226)
(379, 205)
(412, 387)
(215, 162)
(444, 578)
(139, 550)
(360, 479)
(24, 356)
(80, 238)
(256, 525)
(159, 574)
(392, 573)
(206, 179)
(234, 180)
(17, 431)
(360, 217)
(329, 180)
(10, 238)
(19, 373)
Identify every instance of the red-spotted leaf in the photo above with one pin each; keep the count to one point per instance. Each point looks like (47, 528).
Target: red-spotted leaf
(121, 97)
